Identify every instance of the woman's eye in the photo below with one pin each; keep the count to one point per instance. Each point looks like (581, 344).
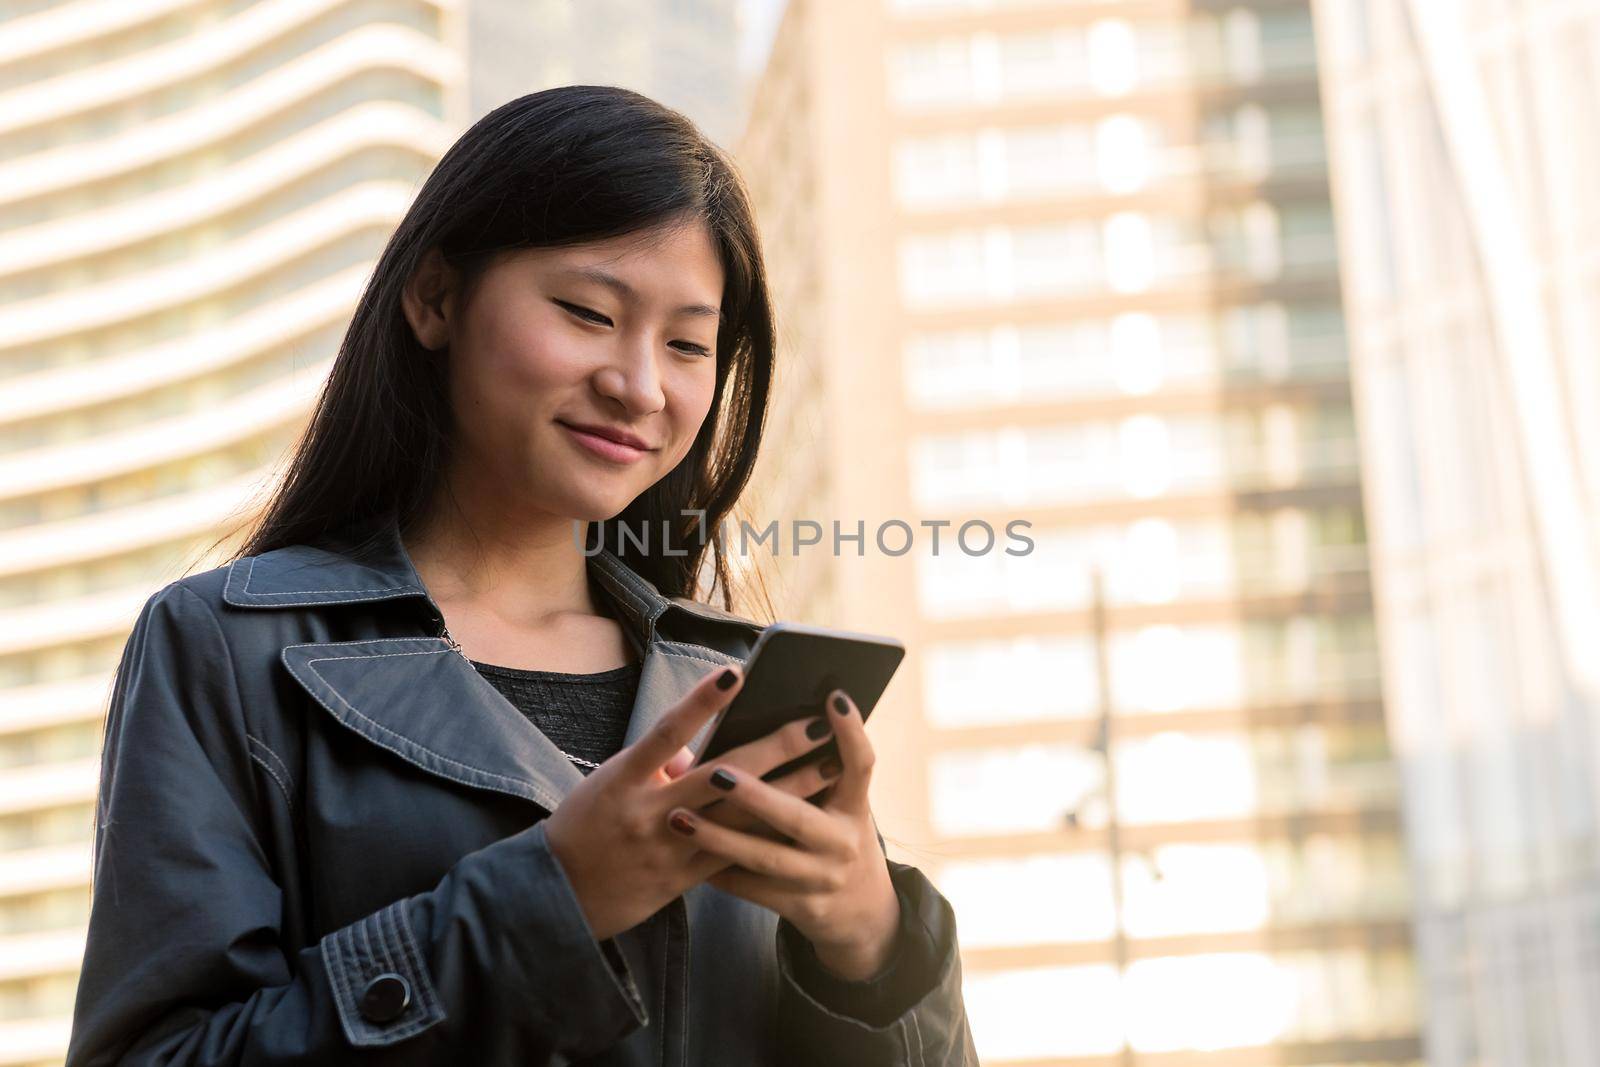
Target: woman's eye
(588, 315)
(585, 314)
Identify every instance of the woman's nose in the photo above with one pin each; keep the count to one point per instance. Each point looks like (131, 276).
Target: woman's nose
(632, 377)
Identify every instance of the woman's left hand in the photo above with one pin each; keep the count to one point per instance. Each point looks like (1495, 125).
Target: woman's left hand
(832, 881)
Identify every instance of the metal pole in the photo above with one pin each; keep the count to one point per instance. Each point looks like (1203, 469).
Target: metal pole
(1113, 824)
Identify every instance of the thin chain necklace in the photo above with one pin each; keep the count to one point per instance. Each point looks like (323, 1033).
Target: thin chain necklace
(451, 641)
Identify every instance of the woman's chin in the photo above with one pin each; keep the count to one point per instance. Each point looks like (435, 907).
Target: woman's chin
(592, 509)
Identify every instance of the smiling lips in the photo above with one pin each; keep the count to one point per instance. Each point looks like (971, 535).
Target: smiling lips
(616, 445)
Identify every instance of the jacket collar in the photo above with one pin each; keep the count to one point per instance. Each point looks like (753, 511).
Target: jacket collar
(367, 561)
(422, 700)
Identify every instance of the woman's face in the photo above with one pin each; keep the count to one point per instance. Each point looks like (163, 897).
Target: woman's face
(557, 350)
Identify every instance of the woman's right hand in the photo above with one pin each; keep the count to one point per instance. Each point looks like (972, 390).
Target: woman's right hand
(610, 834)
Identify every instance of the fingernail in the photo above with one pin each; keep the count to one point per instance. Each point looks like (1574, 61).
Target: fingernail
(831, 767)
(723, 780)
(681, 823)
(840, 706)
(817, 729)
(726, 679)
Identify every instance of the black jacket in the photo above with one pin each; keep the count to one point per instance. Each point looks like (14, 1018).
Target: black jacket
(320, 840)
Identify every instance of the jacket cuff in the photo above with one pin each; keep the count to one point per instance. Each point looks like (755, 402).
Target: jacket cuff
(925, 1010)
(503, 932)
(912, 970)
(381, 985)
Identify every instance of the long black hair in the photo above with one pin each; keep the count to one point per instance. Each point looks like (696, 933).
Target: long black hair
(564, 166)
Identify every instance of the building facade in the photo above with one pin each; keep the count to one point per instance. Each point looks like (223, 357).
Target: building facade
(681, 53)
(1075, 264)
(1466, 140)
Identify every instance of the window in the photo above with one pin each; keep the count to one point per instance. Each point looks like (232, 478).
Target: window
(1145, 451)
(1205, 1002)
(1051, 897)
(1047, 63)
(1113, 57)
(1020, 679)
(935, 268)
(935, 170)
(1049, 159)
(1257, 338)
(948, 369)
(1129, 252)
(1242, 46)
(1027, 789)
(1053, 576)
(932, 73)
(1061, 360)
(1308, 241)
(1189, 889)
(1056, 259)
(1180, 777)
(1122, 153)
(1375, 271)
(1166, 668)
(1008, 1023)
(1389, 420)
(1135, 353)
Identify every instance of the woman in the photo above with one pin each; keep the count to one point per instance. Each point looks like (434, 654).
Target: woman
(408, 781)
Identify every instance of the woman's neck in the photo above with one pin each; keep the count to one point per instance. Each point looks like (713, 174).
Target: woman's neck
(525, 568)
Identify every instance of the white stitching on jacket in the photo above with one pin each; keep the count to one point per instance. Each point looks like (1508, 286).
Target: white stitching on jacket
(264, 765)
(538, 794)
(250, 573)
(674, 648)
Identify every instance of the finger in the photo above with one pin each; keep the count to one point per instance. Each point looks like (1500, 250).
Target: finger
(787, 742)
(855, 752)
(753, 887)
(735, 819)
(810, 782)
(662, 742)
(808, 826)
(800, 869)
(679, 765)
(811, 779)
(702, 866)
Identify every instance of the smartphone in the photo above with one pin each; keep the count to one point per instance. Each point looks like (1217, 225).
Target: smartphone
(789, 674)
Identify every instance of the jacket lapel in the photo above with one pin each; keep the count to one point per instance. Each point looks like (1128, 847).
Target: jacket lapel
(421, 700)
(666, 678)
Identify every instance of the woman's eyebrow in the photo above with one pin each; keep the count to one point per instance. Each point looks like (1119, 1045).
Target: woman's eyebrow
(628, 292)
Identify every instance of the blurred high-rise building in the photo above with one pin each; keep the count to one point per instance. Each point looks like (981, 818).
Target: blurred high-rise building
(1075, 264)
(192, 194)
(683, 53)
(1466, 140)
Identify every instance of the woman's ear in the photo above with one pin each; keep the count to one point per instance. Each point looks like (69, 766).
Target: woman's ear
(428, 300)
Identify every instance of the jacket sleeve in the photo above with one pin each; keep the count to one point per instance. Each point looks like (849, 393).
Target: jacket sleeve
(185, 962)
(910, 1014)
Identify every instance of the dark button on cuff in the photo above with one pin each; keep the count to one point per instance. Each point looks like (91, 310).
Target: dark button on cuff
(385, 997)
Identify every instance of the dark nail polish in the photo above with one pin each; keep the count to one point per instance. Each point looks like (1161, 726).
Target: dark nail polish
(726, 679)
(723, 780)
(840, 706)
(681, 823)
(817, 729)
(831, 767)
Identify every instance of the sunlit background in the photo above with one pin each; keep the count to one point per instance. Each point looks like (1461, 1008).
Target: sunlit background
(1276, 319)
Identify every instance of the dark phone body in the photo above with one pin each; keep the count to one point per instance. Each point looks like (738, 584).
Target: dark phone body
(791, 670)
